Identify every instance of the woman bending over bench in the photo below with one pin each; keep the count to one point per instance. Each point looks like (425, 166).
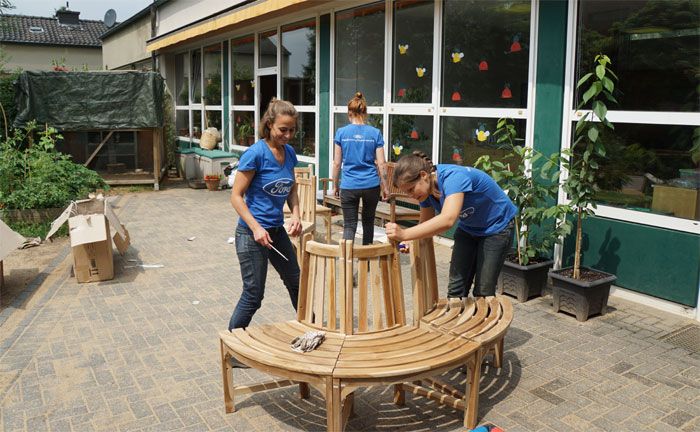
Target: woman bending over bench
(357, 147)
(465, 194)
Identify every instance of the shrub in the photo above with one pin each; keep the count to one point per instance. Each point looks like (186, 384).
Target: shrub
(35, 175)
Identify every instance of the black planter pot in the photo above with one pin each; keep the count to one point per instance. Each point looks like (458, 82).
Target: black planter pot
(523, 282)
(581, 298)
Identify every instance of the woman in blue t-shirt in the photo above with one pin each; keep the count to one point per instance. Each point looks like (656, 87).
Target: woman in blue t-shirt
(359, 148)
(459, 194)
(264, 181)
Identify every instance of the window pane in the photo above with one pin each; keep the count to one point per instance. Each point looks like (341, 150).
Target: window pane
(304, 141)
(486, 47)
(464, 139)
(182, 123)
(244, 128)
(654, 47)
(243, 66)
(410, 133)
(214, 119)
(376, 120)
(413, 51)
(182, 79)
(299, 63)
(268, 90)
(196, 124)
(359, 54)
(267, 46)
(212, 74)
(196, 83)
(650, 168)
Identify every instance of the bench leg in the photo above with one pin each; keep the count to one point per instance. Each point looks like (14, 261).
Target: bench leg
(399, 395)
(498, 354)
(227, 372)
(472, 405)
(327, 217)
(304, 390)
(333, 404)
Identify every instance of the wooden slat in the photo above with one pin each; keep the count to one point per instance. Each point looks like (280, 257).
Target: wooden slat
(436, 396)
(376, 288)
(347, 315)
(304, 281)
(240, 390)
(389, 310)
(319, 291)
(332, 312)
(311, 291)
(362, 296)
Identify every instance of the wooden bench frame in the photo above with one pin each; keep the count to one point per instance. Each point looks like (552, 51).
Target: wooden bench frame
(365, 345)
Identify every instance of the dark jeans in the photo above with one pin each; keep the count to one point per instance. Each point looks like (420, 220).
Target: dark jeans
(478, 259)
(350, 203)
(253, 258)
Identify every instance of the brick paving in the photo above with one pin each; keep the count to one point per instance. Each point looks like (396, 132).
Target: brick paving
(141, 352)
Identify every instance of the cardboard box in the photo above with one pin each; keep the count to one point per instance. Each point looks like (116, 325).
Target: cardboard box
(9, 240)
(93, 226)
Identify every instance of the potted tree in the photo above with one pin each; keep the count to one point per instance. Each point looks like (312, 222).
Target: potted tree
(530, 181)
(580, 290)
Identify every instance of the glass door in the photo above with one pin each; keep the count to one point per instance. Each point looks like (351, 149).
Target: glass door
(267, 69)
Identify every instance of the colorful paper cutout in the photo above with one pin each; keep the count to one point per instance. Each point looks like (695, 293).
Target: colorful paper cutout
(515, 46)
(506, 93)
(457, 56)
(252, 83)
(238, 87)
(481, 133)
(456, 155)
(397, 147)
(403, 49)
(402, 92)
(420, 71)
(456, 96)
(483, 66)
(414, 134)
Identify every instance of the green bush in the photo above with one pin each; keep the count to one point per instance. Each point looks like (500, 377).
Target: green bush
(34, 175)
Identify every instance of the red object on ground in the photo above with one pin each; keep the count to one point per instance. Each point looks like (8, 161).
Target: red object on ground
(456, 96)
(483, 66)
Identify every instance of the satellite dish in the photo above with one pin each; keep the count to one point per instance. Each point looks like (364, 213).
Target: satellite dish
(110, 18)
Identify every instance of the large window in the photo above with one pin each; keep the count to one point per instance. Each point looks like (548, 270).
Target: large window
(299, 63)
(486, 47)
(651, 165)
(464, 139)
(359, 54)
(413, 51)
(212, 74)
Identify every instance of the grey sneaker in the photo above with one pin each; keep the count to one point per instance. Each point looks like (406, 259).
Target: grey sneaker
(237, 364)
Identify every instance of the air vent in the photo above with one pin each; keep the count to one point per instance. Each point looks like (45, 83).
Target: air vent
(35, 29)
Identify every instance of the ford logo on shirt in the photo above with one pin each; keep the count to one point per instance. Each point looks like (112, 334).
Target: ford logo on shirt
(466, 212)
(280, 187)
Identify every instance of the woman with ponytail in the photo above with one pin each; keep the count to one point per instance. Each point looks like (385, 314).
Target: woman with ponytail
(473, 199)
(359, 149)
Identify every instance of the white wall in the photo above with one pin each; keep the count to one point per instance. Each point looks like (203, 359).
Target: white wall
(176, 14)
(128, 45)
(31, 57)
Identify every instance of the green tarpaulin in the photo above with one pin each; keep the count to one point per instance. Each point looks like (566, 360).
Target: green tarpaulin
(71, 101)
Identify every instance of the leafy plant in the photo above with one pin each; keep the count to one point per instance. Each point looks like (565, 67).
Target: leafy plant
(244, 129)
(34, 175)
(587, 151)
(530, 180)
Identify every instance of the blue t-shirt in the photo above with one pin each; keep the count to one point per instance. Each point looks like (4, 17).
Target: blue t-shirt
(359, 144)
(271, 183)
(486, 209)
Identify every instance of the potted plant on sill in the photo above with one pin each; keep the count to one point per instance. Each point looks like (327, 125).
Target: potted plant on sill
(245, 132)
(530, 180)
(579, 290)
(212, 181)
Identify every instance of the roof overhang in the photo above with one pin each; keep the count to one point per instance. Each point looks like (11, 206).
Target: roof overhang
(245, 15)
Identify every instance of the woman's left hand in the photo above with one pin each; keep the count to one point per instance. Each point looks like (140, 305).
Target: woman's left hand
(294, 227)
(394, 232)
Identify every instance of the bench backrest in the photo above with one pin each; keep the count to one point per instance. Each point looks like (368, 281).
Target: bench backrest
(424, 275)
(306, 191)
(328, 299)
(304, 172)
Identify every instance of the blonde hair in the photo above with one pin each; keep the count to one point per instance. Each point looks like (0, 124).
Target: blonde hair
(357, 105)
(277, 107)
(408, 168)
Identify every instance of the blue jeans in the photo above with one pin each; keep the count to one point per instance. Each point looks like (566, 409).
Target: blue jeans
(253, 258)
(479, 260)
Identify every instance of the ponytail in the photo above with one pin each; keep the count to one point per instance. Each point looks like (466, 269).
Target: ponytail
(358, 105)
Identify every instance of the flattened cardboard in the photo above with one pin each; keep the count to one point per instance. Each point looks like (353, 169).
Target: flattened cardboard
(92, 262)
(9, 240)
(87, 229)
(121, 242)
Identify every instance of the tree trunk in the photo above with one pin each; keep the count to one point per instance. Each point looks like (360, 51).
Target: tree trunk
(577, 253)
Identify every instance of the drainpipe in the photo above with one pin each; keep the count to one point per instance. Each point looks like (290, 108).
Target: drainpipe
(154, 10)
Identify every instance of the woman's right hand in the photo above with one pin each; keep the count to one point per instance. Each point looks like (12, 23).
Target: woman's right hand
(262, 237)
(336, 192)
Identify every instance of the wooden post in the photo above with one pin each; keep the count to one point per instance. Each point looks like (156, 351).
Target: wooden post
(157, 139)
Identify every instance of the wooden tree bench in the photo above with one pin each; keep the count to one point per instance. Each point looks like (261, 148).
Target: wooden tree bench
(368, 341)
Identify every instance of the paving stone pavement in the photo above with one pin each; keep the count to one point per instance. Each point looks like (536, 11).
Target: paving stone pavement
(141, 352)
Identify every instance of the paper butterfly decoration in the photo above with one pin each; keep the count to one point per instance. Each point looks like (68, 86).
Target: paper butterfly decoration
(420, 71)
(506, 93)
(515, 46)
(481, 133)
(456, 155)
(238, 87)
(252, 83)
(402, 92)
(456, 96)
(397, 147)
(483, 66)
(403, 49)
(414, 134)
(457, 56)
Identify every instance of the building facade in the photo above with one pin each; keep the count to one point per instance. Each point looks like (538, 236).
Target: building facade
(438, 75)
